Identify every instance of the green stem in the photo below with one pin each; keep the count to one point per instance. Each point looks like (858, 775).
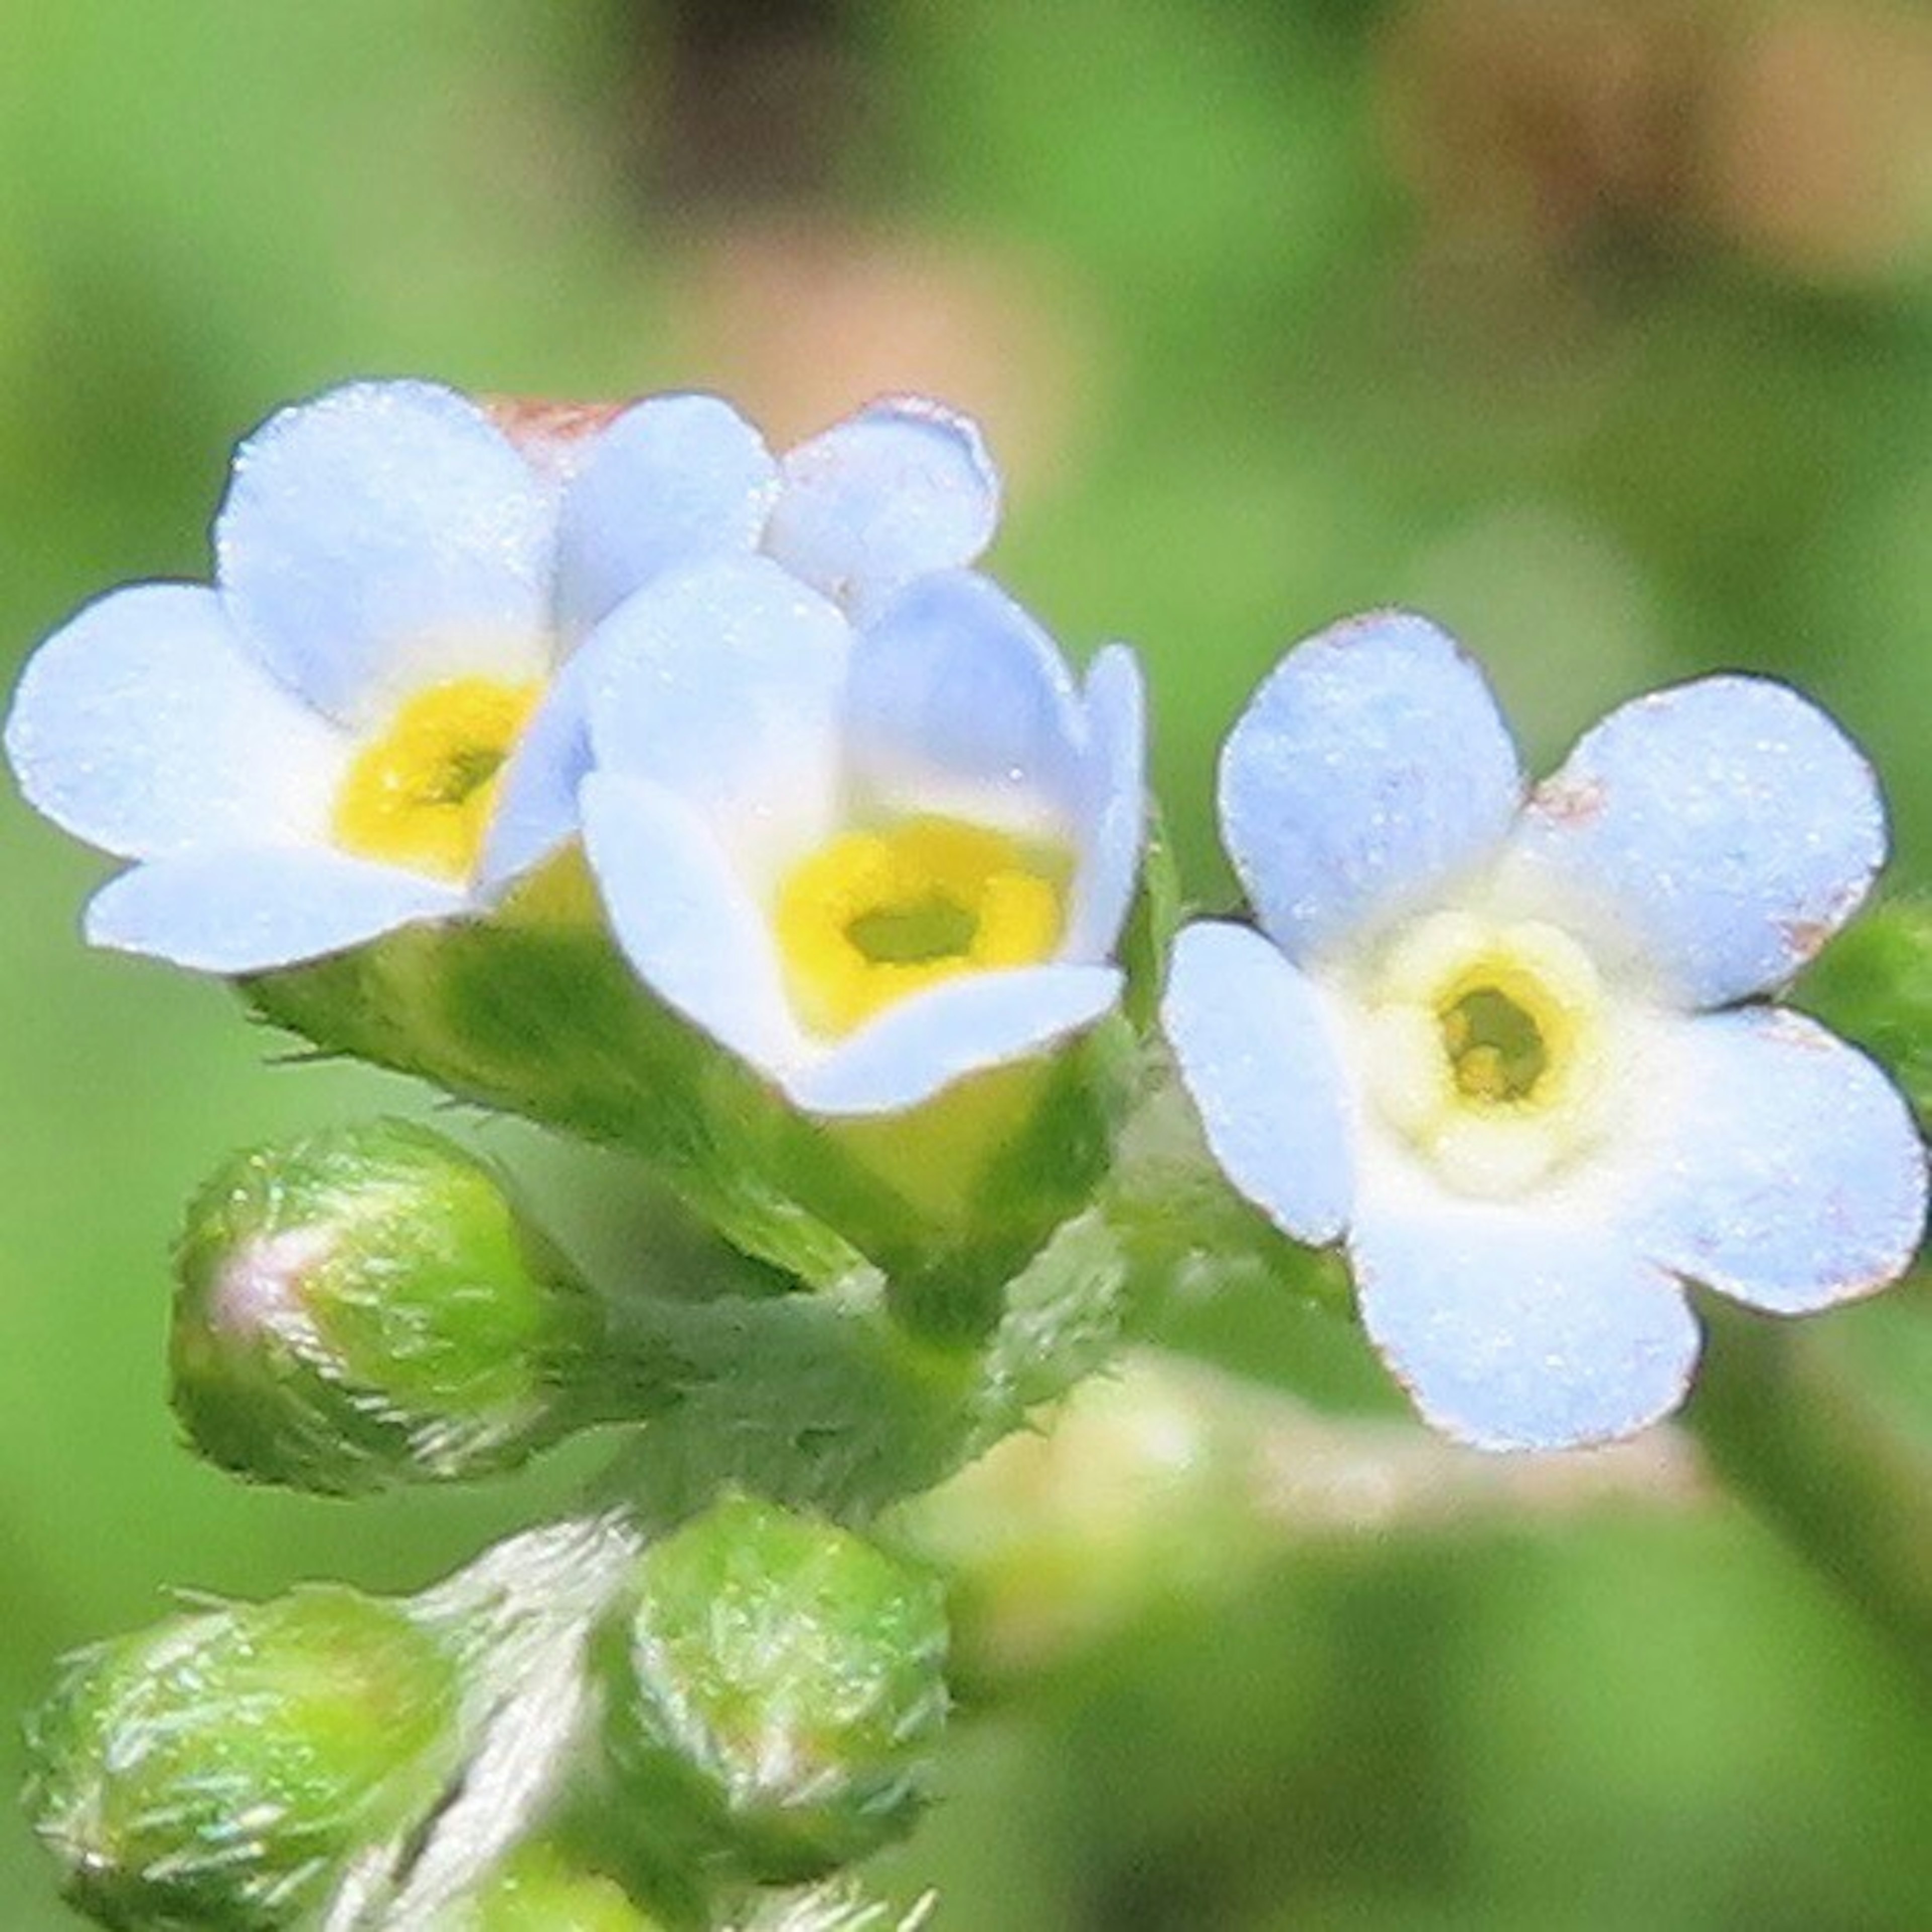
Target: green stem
(1167, 1482)
(1793, 1435)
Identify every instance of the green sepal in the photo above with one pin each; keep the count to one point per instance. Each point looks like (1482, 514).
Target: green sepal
(365, 1306)
(773, 1685)
(1152, 920)
(540, 1888)
(1183, 1226)
(214, 1772)
(544, 1018)
(1873, 985)
(984, 1172)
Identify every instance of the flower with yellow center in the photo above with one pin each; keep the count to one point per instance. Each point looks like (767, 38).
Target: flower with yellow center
(1491, 1043)
(873, 916)
(871, 862)
(420, 793)
(307, 754)
(1486, 1046)
(376, 714)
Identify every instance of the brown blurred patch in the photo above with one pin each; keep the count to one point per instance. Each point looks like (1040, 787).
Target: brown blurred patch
(801, 320)
(1816, 152)
(1535, 124)
(1800, 132)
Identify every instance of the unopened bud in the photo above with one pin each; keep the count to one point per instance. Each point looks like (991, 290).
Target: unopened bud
(215, 1771)
(364, 1306)
(776, 1683)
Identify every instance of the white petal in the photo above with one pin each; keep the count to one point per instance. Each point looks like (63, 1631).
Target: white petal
(960, 1027)
(1789, 1172)
(903, 487)
(1112, 817)
(723, 685)
(682, 914)
(383, 537)
(961, 703)
(536, 800)
(672, 480)
(1722, 831)
(1370, 768)
(248, 910)
(144, 728)
(1516, 1329)
(1257, 1060)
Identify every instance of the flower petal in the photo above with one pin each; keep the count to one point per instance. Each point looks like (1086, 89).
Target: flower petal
(1257, 1059)
(1113, 815)
(1516, 1330)
(1793, 1177)
(674, 480)
(247, 910)
(144, 728)
(382, 537)
(685, 919)
(536, 800)
(961, 703)
(959, 1027)
(1371, 765)
(903, 487)
(723, 685)
(1725, 829)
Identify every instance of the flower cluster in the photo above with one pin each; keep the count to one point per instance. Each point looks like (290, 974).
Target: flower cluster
(850, 817)
(603, 766)
(373, 716)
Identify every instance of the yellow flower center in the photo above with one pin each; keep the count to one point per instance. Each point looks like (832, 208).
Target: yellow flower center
(421, 792)
(871, 917)
(1487, 1048)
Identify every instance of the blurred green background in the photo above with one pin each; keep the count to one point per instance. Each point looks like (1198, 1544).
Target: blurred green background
(1601, 330)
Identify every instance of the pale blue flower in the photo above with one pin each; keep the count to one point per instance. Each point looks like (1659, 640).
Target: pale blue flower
(903, 486)
(369, 719)
(867, 859)
(1489, 1039)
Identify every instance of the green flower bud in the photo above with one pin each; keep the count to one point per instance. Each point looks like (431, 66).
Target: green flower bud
(539, 1889)
(775, 1685)
(364, 1306)
(213, 1772)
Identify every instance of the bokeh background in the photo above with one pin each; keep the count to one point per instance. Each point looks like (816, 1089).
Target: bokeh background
(1601, 330)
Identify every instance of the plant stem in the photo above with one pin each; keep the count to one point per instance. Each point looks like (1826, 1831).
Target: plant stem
(1790, 1433)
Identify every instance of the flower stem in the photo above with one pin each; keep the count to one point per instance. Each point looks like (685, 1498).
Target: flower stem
(1786, 1428)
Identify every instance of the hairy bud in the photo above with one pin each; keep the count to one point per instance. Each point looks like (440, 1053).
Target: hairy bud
(774, 1683)
(364, 1306)
(214, 1771)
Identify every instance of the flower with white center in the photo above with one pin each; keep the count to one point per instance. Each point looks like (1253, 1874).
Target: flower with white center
(868, 860)
(1508, 1048)
(360, 724)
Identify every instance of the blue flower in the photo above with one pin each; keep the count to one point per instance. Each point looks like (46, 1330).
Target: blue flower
(1495, 1042)
(361, 723)
(871, 859)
